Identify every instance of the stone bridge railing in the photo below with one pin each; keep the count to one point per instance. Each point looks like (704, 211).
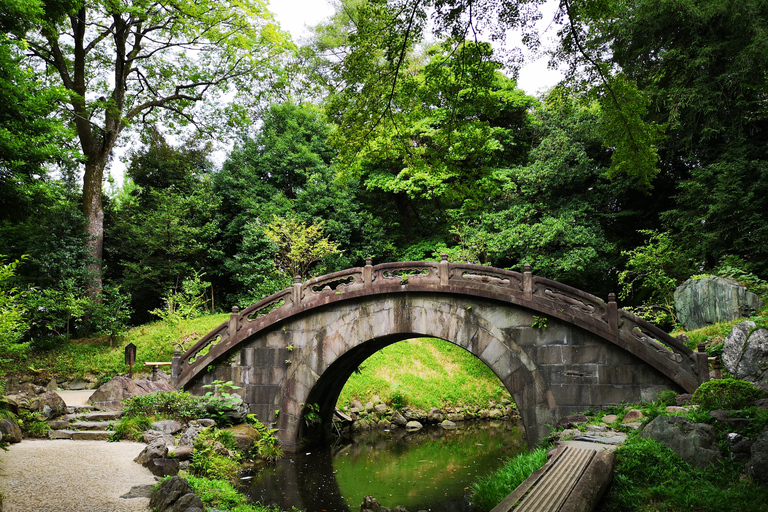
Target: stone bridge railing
(668, 355)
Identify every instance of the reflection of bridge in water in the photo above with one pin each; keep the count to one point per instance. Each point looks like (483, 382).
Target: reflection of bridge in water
(299, 346)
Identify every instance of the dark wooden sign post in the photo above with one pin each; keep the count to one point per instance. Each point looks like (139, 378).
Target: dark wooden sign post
(130, 358)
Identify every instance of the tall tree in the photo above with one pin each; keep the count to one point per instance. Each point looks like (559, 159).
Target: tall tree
(129, 62)
(30, 137)
(700, 69)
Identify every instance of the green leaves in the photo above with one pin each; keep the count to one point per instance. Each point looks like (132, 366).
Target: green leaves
(12, 310)
(298, 245)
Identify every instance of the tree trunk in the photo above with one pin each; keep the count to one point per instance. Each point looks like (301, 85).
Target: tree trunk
(93, 211)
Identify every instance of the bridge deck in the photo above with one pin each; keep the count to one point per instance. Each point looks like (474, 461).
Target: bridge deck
(573, 480)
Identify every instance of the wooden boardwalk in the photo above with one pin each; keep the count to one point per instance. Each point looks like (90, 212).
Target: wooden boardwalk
(574, 479)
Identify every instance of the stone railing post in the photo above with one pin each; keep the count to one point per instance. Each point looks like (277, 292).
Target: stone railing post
(443, 270)
(175, 367)
(233, 318)
(612, 311)
(368, 273)
(527, 282)
(296, 291)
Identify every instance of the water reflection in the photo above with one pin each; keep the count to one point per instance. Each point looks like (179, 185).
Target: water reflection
(427, 470)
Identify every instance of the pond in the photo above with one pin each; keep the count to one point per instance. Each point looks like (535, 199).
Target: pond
(430, 469)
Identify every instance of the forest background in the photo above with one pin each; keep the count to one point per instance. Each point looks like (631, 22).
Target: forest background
(396, 132)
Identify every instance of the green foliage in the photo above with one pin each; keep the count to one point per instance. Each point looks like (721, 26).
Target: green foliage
(297, 245)
(448, 376)
(208, 461)
(178, 405)
(162, 228)
(223, 496)
(539, 322)
(311, 414)
(668, 397)
(397, 399)
(488, 491)
(32, 424)
(653, 272)
(267, 447)
(649, 476)
(186, 303)
(12, 322)
(132, 427)
(725, 394)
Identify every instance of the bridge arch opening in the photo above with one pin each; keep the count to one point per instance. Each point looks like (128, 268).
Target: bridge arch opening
(416, 359)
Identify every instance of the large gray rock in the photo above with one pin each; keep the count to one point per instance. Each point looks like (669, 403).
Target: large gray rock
(692, 442)
(701, 302)
(745, 354)
(11, 433)
(110, 396)
(758, 466)
(174, 495)
(35, 399)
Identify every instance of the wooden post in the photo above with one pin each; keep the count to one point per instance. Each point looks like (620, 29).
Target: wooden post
(130, 358)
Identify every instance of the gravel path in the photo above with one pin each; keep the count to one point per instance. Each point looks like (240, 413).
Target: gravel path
(72, 476)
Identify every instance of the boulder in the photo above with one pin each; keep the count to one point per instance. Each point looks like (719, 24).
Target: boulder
(758, 466)
(740, 447)
(701, 302)
(413, 425)
(110, 396)
(51, 405)
(632, 416)
(173, 495)
(572, 420)
(230, 411)
(398, 419)
(693, 442)
(11, 433)
(36, 399)
(745, 354)
(167, 426)
(435, 415)
(181, 452)
(157, 449)
(246, 436)
(189, 435)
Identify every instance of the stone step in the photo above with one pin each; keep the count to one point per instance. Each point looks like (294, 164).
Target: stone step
(79, 409)
(89, 425)
(93, 435)
(93, 416)
(75, 435)
(102, 416)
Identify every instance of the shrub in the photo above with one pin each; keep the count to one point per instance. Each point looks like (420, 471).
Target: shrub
(207, 459)
(267, 447)
(725, 394)
(649, 476)
(487, 492)
(131, 427)
(668, 397)
(171, 404)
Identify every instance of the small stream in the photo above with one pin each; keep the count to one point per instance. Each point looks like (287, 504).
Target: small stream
(430, 469)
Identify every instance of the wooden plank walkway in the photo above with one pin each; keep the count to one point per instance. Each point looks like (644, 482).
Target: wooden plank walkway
(573, 480)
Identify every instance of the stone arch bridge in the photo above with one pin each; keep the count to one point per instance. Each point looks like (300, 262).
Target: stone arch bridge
(300, 345)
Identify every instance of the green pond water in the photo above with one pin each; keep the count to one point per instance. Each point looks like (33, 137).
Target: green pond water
(431, 469)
